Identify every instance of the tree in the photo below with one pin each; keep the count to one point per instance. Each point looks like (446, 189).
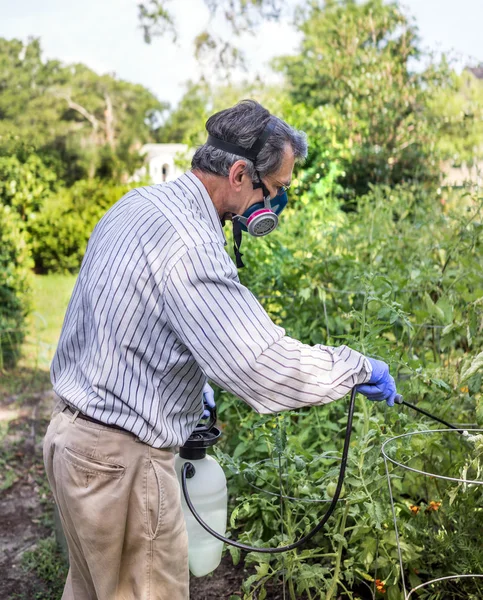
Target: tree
(365, 108)
(185, 122)
(238, 16)
(84, 123)
(459, 108)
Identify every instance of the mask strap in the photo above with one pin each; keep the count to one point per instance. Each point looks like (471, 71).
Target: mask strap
(237, 240)
(259, 184)
(250, 153)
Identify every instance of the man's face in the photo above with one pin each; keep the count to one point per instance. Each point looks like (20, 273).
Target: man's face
(273, 182)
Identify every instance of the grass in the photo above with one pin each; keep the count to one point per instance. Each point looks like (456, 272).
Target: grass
(51, 294)
(47, 562)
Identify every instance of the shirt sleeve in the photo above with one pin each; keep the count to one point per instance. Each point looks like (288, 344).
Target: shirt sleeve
(239, 347)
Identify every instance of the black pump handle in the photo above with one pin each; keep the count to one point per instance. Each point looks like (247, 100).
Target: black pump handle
(211, 422)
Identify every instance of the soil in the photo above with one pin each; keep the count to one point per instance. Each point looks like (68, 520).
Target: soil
(26, 508)
(23, 519)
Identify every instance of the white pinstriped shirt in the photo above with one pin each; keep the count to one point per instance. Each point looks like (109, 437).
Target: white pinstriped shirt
(158, 307)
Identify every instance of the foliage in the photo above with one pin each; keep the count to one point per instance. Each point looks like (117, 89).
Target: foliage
(214, 46)
(57, 221)
(15, 264)
(185, 124)
(459, 109)
(436, 514)
(83, 123)
(155, 20)
(60, 232)
(24, 185)
(400, 280)
(358, 98)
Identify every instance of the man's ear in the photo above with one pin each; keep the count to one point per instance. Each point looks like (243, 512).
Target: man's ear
(235, 176)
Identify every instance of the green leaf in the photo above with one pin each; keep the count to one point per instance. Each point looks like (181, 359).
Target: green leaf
(394, 593)
(300, 463)
(479, 411)
(441, 384)
(262, 569)
(433, 309)
(375, 512)
(240, 449)
(340, 539)
(234, 515)
(475, 366)
(305, 293)
(235, 554)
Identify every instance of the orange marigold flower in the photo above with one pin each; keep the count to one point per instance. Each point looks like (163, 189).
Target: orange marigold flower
(414, 509)
(433, 506)
(380, 586)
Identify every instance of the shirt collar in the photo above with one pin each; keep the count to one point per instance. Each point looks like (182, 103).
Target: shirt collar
(197, 191)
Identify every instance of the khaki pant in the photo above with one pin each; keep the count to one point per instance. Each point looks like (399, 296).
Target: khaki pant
(119, 502)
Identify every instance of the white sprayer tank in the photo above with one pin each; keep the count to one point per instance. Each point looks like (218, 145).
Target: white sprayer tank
(208, 493)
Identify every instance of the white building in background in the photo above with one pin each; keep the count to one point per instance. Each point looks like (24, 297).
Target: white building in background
(462, 175)
(160, 162)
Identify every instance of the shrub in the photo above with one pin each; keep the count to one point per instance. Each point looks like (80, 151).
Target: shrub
(15, 264)
(25, 183)
(60, 232)
(398, 279)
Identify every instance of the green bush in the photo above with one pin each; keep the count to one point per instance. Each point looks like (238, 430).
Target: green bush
(15, 264)
(398, 279)
(60, 232)
(25, 183)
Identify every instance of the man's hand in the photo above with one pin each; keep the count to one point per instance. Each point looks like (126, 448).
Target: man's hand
(208, 400)
(381, 385)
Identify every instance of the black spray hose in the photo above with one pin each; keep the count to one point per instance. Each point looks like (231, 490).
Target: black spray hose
(189, 470)
(189, 467)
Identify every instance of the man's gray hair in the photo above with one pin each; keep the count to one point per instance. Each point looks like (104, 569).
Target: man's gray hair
(242, 125)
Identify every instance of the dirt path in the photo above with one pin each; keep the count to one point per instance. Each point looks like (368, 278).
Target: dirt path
(24, 514)
(26, 509)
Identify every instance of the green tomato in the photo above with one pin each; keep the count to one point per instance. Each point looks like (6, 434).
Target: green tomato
(299, 463)
(332, 487)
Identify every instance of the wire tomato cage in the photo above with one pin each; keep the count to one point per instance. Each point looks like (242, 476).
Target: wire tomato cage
(455, 449)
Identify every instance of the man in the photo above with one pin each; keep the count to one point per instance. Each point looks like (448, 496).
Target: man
(157, 309)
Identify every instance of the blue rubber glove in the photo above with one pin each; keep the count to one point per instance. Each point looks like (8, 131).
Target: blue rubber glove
(208, 400)
(381, 385)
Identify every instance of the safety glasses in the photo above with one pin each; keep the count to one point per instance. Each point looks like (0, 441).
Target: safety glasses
(281, 187)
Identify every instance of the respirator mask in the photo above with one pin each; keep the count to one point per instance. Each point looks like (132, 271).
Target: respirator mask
(262, 217)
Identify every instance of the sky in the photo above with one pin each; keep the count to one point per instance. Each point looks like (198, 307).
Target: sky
(105, 35)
